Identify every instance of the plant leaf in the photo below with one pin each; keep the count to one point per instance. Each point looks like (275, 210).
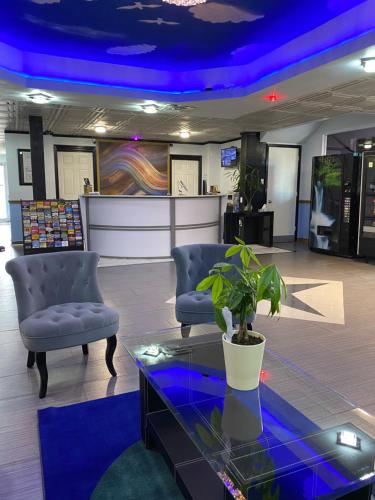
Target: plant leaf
(233, 250)
(241, 242)
(220, 320)
(206, 283)
(217, 288)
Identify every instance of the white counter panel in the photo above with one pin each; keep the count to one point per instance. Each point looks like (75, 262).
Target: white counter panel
(132, 244)
(197, 211)
(199, 235)
(135, 212)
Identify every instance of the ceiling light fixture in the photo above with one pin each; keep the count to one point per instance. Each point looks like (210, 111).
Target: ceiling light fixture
(150, 109)
(368, 64)
(39, 97)
(368, 145)
(185, 3)
(100, 129)
(184, 134)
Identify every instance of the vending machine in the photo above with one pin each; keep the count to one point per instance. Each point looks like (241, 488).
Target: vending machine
(335, 194)
(366, 239)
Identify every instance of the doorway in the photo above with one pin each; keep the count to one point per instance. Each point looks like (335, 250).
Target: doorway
(284, 163)
(72, 165)
(186, 175)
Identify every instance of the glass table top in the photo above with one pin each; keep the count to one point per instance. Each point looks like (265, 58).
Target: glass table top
(292, 438)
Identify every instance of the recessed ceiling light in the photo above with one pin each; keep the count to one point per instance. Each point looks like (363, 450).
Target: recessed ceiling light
(39, 97)
(368, 64)
(100, 129)
(150, 109)
(184, 134)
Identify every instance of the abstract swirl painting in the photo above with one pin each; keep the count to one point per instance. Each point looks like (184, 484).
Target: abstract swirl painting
(133, 168)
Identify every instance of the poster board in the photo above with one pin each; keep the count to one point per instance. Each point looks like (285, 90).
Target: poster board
(133, 168)
(24, 167)
(51, 226)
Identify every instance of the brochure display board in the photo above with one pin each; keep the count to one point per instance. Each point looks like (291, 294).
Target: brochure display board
(51, 226)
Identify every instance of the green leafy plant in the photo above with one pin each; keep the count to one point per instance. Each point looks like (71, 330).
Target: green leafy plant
(241, 287)
(246, 181)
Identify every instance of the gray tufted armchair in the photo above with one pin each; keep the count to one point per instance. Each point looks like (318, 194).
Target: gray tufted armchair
(193, 262)
(60, 305)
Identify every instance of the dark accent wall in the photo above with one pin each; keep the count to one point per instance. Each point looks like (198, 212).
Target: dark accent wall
(37, 157)
(255, 154)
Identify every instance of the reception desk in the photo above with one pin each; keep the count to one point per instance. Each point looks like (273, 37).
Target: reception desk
(150, 226)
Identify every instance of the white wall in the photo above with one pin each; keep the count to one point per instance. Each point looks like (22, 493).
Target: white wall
(13, 142)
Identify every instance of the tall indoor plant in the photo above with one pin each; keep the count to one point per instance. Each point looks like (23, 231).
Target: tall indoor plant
(239, 286)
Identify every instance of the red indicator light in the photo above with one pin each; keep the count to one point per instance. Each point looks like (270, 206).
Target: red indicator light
(273, 96)
(264, 375)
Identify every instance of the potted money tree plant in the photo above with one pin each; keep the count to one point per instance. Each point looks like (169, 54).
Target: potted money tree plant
(237, 286)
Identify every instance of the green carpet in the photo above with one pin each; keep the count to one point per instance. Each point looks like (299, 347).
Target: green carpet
(137, 474)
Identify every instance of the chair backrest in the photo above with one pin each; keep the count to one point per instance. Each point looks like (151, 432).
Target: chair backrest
(193, 263)
(44, 280)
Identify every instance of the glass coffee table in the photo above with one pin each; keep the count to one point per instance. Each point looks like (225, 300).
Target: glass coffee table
(291, 439)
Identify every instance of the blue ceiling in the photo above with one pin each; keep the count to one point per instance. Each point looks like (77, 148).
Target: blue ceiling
(153, 34)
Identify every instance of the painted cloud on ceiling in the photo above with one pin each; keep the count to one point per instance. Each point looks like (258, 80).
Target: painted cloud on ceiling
(159, 21)
(139, 6)
(219, 13)
(132, 50)
(81, 31)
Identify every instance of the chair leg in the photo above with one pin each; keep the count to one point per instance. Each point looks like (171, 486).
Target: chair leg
(250, 327)
(111, 347)
(30, 359)
(185, 330)
(85, 349)
(42, 367)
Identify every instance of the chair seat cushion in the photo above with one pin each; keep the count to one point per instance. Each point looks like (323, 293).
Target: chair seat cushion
(195, 308)
(68, 325)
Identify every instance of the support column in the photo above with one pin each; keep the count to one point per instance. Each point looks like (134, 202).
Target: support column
(255, 154)
(37, 157)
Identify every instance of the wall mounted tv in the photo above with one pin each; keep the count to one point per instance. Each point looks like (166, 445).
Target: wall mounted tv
(230, 157)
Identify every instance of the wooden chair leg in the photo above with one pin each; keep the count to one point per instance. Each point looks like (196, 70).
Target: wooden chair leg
(111, 347)
(30, 359)
(85, 349)
(185, 330)
(42, 367)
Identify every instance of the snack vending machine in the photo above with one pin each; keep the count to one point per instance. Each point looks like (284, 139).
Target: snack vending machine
(334, 216)
(366, 238)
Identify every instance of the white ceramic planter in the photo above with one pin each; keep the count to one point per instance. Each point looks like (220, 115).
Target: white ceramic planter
(243, 363)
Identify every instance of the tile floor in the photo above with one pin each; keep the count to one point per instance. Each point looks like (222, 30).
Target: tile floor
(341, 356)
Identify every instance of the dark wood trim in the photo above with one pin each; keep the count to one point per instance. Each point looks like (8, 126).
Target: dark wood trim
(187, 157)
(37, 157)
(299, 147)
(20, 167)
(74, 149)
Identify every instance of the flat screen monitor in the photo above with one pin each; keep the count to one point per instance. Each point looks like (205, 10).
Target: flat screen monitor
(229, 157)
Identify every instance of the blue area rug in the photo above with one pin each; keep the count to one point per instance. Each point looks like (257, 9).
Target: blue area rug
(93, 451)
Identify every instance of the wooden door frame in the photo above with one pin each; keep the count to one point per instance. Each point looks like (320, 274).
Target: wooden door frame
(187, 157)
(299, 148)
(59, 148)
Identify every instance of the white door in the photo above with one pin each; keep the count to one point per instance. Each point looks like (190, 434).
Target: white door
(185, 177)
(73, 167)
(282, 190)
